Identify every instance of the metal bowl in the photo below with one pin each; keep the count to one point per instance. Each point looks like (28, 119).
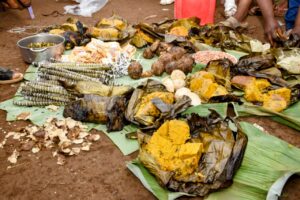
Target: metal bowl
(41, 54)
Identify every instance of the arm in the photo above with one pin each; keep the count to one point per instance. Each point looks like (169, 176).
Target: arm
(296, 28)
(271, 25)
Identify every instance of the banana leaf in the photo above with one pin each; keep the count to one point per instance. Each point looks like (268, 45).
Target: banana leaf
(289, 117)
(268, 163)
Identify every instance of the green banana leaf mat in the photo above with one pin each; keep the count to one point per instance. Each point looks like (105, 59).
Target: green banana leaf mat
(39, 115)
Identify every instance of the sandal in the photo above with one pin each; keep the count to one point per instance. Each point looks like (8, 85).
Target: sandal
(233, 23)
(17, 76)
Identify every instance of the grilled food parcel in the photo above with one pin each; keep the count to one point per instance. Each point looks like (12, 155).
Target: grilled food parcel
(151, 103)
(196, 156)
(100, 104)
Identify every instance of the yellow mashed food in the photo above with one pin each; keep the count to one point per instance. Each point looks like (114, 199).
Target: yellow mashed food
(170, 149)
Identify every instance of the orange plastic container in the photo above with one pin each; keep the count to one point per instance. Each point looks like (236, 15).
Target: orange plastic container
(204, 9)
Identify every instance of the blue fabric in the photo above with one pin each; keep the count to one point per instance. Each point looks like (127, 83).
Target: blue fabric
(291, 14)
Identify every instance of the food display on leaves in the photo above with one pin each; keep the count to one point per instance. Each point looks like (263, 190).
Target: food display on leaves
(197, 156)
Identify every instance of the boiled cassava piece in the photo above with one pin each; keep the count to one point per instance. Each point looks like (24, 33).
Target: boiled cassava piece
(197, 156)
(97, 109)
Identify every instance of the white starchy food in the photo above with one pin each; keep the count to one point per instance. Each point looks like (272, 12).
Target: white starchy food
(290, 63)
(178, 83)
(63, 136)
(168, 83)
(71, 123)
(83, 134)
(178, 74)
(76, 150)
(195, 99)
(259, 47)
(86, 146)
(78, 141)
(13, 158)
(182, 92)
(52, 108)
(205, 57)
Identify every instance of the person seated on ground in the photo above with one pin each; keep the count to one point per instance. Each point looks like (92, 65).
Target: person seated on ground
(271, 26)
(15, 4)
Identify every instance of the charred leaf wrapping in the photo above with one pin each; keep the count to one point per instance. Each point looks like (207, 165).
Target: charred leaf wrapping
(97, 109)
(221, 70)
(253, 65)
(222, 156)
(163, 110)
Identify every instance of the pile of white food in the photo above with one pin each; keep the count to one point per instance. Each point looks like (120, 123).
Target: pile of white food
(65, 137)
(176, 83)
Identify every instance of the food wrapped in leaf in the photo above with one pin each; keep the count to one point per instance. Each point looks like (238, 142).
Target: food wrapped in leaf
(259, 91)
(97, 109)
(151, 103)
(196, 157)
(114, 28)
(221, 70)
(97, 88)
(254, 65)
(113, 21)
(289, 60)
(204, 84)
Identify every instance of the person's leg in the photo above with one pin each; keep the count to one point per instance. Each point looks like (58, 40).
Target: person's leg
(242, 9)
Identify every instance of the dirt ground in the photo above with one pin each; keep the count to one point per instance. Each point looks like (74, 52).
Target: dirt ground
(100, 173)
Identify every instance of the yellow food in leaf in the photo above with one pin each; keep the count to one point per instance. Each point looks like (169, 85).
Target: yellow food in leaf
(57, 31)
(147, 108)
(179, 31)
(252, 93)
(204, 84)
(221, 90)
(262, 84)
(275, 102)
(105, 33)
(170, 149)
(284, 92)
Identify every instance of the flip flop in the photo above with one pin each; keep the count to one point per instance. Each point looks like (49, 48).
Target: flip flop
(16, 78)
(234, 23)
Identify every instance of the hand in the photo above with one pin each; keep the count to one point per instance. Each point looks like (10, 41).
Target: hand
(16, 4)
(296, 30)
(272, 30)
